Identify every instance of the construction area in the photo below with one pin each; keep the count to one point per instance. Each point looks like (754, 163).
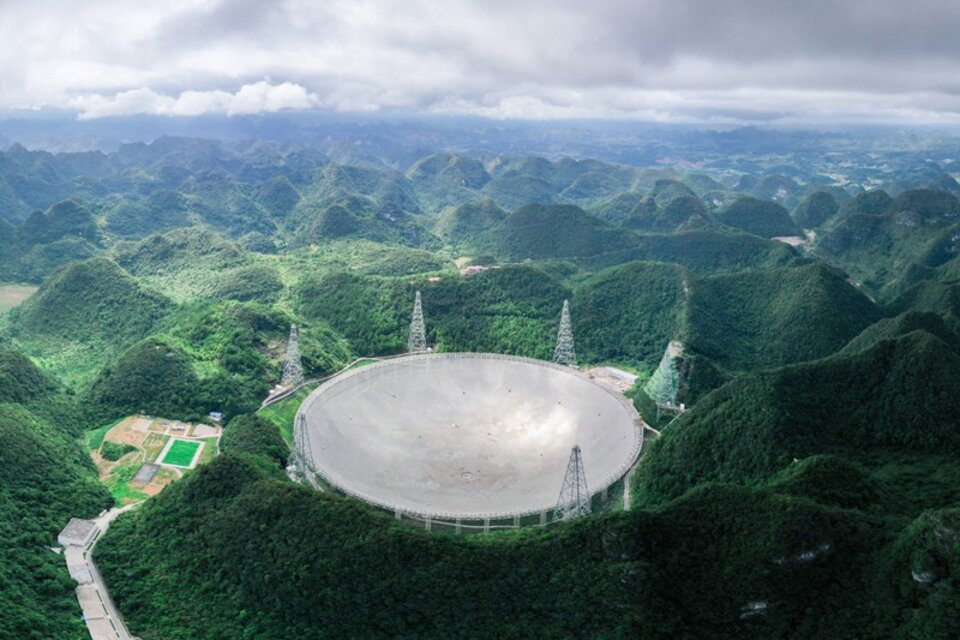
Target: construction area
(138, 456)
(467, 438)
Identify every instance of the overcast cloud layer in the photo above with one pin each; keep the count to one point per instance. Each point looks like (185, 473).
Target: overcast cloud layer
(670, 60)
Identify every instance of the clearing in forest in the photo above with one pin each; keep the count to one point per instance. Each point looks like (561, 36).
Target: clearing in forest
(12, 295)
(133, 455)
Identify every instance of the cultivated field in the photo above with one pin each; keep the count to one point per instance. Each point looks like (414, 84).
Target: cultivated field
(12, 295)
(148, 454)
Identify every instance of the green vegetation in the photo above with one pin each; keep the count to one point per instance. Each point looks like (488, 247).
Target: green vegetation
(83, 317)
(754, 319)
(113, 451)
(256, 282)
(844, 404)
(811, 490)
(94, 437)
(45, 479)
(11, 295)
(705, 251)
(629, 313)
(509, 310)
(282, 414)
(181, 453)
(759, 217)
(294, 563)
(816, 209)
(254, 435)
(553, 231)
(152, 378)
(466, 223)
(119, 484)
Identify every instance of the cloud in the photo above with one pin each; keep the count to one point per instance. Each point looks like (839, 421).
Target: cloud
(695, 60)
(260, 97)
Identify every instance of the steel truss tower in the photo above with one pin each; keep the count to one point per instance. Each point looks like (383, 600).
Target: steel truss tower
(292, 366)
(664, 385)
(564, 353)
(302, 458)
(574, 498)
(417, 342)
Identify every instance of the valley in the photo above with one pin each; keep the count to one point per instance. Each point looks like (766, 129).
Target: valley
(811, 463)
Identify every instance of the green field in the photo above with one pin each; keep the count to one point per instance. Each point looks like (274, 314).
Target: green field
(13, 294)
(181, 453)
(283, 413)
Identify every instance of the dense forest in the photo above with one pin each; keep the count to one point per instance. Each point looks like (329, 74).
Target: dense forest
(809, 491)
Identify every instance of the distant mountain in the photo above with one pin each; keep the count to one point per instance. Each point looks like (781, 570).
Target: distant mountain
(703, 250)
(759, 217)
(781, 189)
(178, 250)
(554, 231)
(68, 218)
(877, 238)
(815, 209)
(468, 222)
(91, 300)
(160, 211)
(901, 325)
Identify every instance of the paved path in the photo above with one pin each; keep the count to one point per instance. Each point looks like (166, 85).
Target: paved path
(627, 481)
(103, 620)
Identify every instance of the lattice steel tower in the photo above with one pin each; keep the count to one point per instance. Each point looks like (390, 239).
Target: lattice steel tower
(663, 387)
(417, 342)
(292, 366)
(302, 458)
(574, 498)
(564, 353)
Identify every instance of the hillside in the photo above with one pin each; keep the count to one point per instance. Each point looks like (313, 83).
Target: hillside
(159, 212)
(151, 378)
(811, 489)
(878, 249)
(178, 250)
(553, 231)
(759, 217)
(506, 310)
(752, 428)
(82, 317)
(704, 250)
(94, 300)
(291, 559)
(932, 296)
(68, 218)
(45, 479)
(629, 313)
(814, 210)
(465, 224)
(907, 322)
(184, 263)
(755, 319)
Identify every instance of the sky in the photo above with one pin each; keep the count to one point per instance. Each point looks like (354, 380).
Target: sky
(709, 61)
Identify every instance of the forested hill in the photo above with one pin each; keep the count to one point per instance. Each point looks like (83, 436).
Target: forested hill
(814, 320)
(45, 479)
